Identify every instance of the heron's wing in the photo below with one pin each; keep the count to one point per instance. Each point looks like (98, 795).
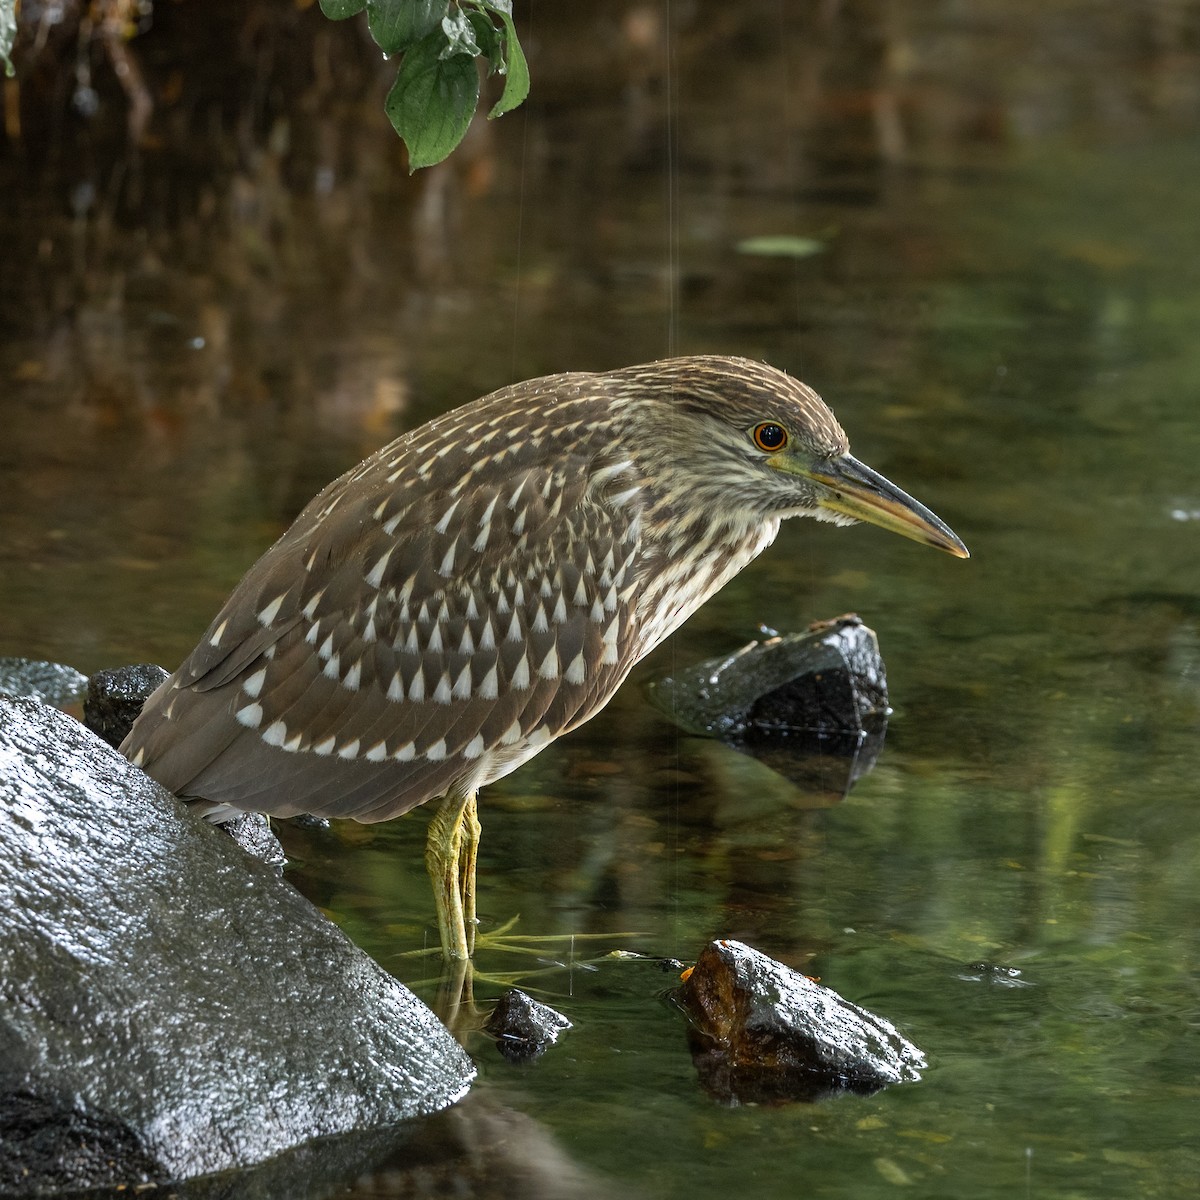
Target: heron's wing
(416, 629)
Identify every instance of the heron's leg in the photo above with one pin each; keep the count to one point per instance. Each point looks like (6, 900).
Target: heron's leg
(446, 858)
(471, 830)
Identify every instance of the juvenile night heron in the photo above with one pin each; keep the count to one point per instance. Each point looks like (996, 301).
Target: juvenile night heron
(483, 584)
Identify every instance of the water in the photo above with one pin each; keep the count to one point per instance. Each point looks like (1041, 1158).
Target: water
(1002, 313)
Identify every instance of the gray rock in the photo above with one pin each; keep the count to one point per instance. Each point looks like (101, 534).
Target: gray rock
(54, 683)
(115, 698)
(170, 1007)
(827, 680)
(763, 1032)
(523, 1027)
(812, 706)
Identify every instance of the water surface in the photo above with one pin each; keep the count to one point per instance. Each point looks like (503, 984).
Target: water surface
(1003, 315)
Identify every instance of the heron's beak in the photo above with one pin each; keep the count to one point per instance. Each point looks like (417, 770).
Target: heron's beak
(856, 491)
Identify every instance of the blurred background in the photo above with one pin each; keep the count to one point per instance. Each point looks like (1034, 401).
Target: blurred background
(973, 228)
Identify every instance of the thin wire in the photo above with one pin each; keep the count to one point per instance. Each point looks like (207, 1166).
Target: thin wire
(672, 205)
(672, 199)
(516, 317)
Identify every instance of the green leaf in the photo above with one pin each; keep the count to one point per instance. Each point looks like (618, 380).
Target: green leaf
(781, 246)
(8, 33)
(432, 101)
(460, 36)
(488, 38)
(397, 24)
(516, 69)
(339, 10)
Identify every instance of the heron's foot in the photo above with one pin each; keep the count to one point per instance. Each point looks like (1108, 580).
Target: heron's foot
(548, 952)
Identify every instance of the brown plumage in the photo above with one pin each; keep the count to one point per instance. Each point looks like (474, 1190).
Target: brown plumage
(484, 583)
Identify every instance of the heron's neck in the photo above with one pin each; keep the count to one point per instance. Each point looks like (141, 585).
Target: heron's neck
(681, 571)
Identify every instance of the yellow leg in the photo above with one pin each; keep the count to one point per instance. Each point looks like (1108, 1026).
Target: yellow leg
(451, 850)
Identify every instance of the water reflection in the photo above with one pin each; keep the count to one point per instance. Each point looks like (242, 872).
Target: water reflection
(200, 331)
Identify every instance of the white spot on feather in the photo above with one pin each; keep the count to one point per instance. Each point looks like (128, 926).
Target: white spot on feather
(377, 753)
(254, 683)
(251, 716)
(268, 614)
(375, 575)
(437, 751)
(462, 685)
(474, 748)
(218, 633)
(520, 676)
(349, 750)
(326, 747)
(577, 671)
(275, 734)
(442, 693)
(488, 689)
(310, 609)
(549, 666)
(487, 636)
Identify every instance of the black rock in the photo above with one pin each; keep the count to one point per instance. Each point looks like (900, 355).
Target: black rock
(524, 1028)
(53, 683)
(115, 698)
(170, 1007)
(794, 702)
(762, 1032)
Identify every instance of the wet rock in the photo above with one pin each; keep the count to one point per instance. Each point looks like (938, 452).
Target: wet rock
(792, 702)
(828, 681)
(115, 698)
(168, 1006)
(763, 1032)
(52, 683)
(524, 1028)
(253, 832)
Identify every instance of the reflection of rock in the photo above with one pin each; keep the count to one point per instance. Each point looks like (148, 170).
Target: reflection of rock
(479, 1150)
(168, 1006)
(524, 1028)
(761, 1031)
(53, 683)
(793, 702)
(115, 698)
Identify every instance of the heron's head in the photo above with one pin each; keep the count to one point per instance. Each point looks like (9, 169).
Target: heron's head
(743, 437)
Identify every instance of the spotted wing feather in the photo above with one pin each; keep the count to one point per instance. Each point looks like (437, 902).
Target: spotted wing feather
(430, 620)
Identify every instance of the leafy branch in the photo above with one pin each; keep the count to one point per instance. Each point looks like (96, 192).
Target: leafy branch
(437, 87)
(8, 33)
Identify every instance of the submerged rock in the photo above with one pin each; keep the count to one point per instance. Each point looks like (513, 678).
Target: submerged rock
(763, 1032)
(170, 1007)
(523, 1027)
(793, 702)
(115, 698)
(53, 683)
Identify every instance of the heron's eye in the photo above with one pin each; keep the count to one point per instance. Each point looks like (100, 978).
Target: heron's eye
(770, 437)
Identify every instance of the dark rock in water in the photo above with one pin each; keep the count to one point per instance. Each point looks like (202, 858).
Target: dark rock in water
(791, 701)
(168, 1006)
(115, 698)
(763, 1032)
(52, 683)
(524, 1028)
(828, 680)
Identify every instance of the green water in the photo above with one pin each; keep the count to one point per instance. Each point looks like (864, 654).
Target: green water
(1004, 317)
